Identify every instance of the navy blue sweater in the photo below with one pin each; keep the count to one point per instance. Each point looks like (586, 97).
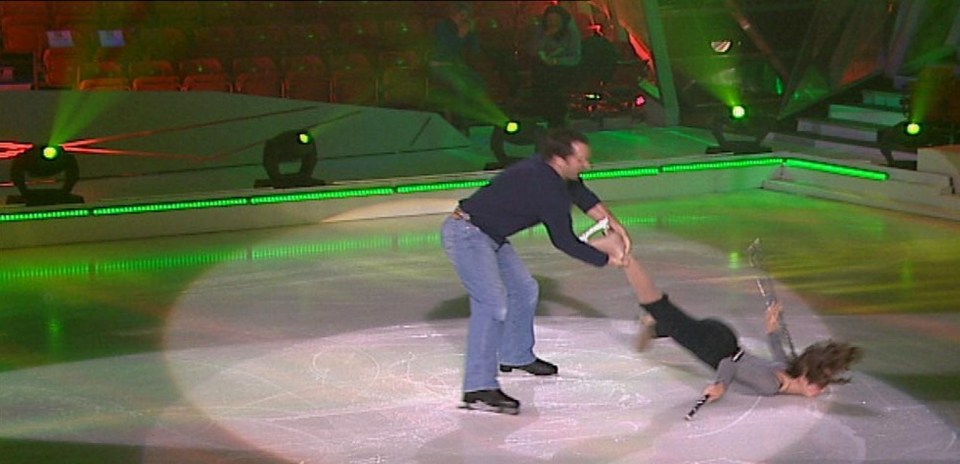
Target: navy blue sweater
(530, 192)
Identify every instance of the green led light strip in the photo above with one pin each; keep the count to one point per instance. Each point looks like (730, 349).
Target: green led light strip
(326, 195)
(837, 169)
(63, 213)
(413, 188)
(708, 165)
(436, 186)
(614, 173)
(169, 206)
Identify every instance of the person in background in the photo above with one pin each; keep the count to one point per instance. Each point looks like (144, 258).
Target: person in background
(453, 83)
(557, 53)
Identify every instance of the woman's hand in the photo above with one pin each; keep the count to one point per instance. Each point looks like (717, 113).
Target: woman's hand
(714, 391)
(615, 226)
(773, 316)
(612, 244)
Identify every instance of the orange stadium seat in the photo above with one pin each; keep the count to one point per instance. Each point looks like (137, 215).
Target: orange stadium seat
(155, 83)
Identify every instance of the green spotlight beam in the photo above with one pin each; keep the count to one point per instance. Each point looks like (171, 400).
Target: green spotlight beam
(471, 100)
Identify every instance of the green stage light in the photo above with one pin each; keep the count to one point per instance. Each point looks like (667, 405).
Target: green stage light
(52, 153)
(738, 112)
(913, 128)
(44, 162)
(512, 127)
(290, 147)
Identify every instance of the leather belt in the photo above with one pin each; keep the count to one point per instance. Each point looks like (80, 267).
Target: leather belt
(460, 214)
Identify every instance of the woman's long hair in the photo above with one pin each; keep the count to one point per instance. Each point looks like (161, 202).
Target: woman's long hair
(825, 362)
(565, 19)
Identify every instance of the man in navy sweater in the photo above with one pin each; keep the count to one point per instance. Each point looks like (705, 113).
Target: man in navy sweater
(503, 294)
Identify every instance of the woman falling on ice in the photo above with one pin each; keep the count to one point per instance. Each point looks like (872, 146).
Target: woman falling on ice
(714, 342)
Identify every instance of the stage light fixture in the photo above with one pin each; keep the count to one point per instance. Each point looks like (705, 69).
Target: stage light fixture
(905, 136)
(40, 162)
(738, 112)
(752, 130)
(514, 132)
(51, 153)
(294, 146)
(913, 128)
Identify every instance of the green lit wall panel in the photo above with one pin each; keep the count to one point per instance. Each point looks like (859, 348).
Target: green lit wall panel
(671, 168)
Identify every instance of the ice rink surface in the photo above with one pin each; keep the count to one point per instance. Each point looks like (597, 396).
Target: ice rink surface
(343, 343)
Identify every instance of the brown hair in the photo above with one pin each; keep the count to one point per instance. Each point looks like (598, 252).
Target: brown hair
(825, 362)
(559, 142)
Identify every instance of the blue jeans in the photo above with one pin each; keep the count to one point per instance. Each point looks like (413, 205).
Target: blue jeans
(503, 300)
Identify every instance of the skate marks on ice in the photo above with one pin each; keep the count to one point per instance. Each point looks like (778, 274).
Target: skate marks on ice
(392, 394)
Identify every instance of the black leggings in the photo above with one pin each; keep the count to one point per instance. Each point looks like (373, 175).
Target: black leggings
(710, 340)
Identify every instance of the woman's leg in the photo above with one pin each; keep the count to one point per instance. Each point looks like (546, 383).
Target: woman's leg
(709, 340)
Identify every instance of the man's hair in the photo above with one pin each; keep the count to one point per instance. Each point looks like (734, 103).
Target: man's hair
(824, 363)
(559, 142)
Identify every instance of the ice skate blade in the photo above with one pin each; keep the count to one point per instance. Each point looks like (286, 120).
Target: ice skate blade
(484, 407)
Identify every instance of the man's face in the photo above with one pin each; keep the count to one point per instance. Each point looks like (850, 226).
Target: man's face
(571, 166)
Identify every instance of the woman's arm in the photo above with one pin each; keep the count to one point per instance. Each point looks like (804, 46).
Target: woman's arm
(643, 285)
(600, 211)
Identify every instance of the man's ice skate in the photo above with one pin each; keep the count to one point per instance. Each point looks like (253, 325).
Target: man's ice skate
(490, 401)
(645, 332)
(537, 367)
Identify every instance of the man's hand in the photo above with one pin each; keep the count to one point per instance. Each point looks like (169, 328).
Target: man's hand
(612, 244)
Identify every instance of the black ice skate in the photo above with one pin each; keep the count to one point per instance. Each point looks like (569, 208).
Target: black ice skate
(537, 367)
(491, 401)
